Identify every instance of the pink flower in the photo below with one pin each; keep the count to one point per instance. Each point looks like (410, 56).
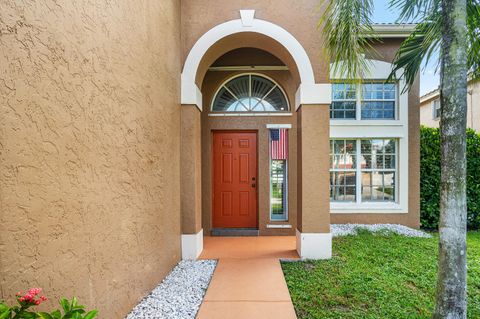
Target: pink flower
(30, 297)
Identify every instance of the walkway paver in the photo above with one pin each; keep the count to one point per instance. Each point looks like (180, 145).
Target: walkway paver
(248, 281)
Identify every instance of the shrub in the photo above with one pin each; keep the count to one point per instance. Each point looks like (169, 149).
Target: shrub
(430, 178)
(71, 310)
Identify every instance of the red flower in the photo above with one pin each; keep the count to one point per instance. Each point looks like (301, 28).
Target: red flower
(29, 297)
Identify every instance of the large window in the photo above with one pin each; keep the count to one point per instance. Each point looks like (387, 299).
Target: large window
(363, 170)
(366, 101)
(250, 93)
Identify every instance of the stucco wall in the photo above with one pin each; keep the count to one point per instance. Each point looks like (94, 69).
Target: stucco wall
(300, 20)
(89, 149)
(426, 114)
(473, 107)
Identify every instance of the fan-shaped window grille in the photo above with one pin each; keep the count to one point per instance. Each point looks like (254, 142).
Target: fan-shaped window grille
(250, 93)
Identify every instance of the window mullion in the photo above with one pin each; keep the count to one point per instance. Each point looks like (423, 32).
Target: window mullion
(359, 103)
(358, 169)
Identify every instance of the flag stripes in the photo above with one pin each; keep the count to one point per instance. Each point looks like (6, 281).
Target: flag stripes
(279, 144)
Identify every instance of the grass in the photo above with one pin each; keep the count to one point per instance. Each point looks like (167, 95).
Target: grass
(376, 276)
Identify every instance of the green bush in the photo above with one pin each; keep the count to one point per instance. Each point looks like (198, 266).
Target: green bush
(430, 178)
(26, 302)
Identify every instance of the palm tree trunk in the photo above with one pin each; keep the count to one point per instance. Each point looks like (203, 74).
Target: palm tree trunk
(451, 299)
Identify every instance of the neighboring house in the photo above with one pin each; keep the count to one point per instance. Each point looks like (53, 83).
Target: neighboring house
(430, 107)
(130, 130)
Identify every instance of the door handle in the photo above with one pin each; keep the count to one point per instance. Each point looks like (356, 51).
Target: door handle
(254, 185)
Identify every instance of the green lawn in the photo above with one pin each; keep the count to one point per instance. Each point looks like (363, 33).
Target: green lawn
(376, 276)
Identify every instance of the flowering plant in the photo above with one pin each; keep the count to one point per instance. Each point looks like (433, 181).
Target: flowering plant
(32, 298)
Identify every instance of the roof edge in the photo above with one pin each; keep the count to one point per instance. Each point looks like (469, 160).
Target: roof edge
(393, 30)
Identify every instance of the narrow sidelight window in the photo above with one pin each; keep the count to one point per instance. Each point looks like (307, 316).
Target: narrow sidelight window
(278, 174)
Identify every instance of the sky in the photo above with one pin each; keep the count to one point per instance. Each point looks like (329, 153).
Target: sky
(429, 78)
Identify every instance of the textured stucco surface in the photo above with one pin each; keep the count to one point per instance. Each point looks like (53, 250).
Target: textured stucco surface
(473, 108)
(314, 175)
(299, 18)
(89, 148)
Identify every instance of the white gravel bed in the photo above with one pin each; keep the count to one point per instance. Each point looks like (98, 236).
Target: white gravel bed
(351, 229)
(179, 295)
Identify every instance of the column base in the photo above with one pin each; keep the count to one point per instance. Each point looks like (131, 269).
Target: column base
(314, 245)
(192, 245)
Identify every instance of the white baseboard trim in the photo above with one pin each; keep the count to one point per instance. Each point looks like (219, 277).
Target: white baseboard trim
(192, 245)
(314, 245)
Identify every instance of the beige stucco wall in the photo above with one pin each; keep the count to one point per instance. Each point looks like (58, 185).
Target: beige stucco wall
(301, 21)
(426, 114)
(313, 174)
(473, 108)
(89, 149)
(191, 170)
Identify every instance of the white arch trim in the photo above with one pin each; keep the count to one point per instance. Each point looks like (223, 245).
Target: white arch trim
(191, 94)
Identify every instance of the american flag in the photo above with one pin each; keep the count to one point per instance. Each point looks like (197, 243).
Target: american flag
(279, 144)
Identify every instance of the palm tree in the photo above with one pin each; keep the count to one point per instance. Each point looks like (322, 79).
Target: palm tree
(453, 27)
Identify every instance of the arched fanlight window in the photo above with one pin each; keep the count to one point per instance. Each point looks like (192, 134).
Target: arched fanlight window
(250, 93)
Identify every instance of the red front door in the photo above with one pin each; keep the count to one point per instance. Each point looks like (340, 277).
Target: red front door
(234, 179)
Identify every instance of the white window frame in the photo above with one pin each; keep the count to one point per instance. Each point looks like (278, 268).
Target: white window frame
(285, 219)
(286, 112)
(358, 173)
(359, 99)
(378, 129)
(436, 106)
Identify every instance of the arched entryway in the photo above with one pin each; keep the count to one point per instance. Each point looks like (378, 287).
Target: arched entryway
(236, 49)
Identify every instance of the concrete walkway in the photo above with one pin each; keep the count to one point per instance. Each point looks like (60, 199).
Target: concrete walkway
(248, 281)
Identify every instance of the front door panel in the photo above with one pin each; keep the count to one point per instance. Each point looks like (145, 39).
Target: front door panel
(234, 179)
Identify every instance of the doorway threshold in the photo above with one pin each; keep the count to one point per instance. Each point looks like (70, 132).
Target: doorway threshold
(234, 232)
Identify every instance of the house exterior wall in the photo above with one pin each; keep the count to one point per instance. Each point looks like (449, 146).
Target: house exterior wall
(411, 217)
(90, 144)
(473, 107)
(199, 17)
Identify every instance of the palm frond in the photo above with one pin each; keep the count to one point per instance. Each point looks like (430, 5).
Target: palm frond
(417, 48)
(347, 35)
(473, 38)
(417, 10)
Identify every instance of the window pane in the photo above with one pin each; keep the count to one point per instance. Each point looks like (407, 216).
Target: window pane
(378, 165)
(343, 179)
(278, 189)
(343, 194)
(378, 101)
(343, 101)
(250, 93)
(390, 161)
